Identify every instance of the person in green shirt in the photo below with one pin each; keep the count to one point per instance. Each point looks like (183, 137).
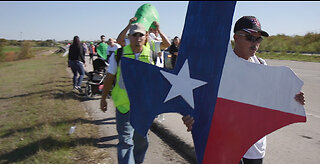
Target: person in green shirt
(102, 48)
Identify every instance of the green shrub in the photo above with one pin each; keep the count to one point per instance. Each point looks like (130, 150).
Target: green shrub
(307, 43)
(1, 53)
(2, 43)
(26, 52)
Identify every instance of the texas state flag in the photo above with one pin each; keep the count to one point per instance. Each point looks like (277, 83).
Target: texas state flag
(234, 102)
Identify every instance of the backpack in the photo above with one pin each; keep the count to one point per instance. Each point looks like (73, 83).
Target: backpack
(119, 55)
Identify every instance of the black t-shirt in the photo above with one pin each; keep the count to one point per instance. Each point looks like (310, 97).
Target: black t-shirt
(76, 53)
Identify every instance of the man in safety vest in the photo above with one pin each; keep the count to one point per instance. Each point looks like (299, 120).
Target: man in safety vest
(155, 46)
(132, 147)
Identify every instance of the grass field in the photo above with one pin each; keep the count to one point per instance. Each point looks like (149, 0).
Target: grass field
(285, 56)
(17, 49)
(37, 109)
(11, 49)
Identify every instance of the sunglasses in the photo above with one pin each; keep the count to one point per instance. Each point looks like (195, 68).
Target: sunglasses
(138, 34)
(252, 38)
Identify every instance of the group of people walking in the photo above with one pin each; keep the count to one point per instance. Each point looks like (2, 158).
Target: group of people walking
(146, 45)
(104, 49)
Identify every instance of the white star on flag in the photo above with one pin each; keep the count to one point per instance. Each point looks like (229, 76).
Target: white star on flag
(182, 84)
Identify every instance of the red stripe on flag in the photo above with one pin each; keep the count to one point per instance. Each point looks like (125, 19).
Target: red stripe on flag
(237, 126)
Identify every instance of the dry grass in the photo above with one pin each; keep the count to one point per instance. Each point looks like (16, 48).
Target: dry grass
(37, 108)
(13, 53)
(10, 56)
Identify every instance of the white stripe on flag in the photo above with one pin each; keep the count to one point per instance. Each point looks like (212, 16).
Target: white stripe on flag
(272, 87)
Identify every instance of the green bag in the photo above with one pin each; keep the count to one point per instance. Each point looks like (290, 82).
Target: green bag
(146, 14)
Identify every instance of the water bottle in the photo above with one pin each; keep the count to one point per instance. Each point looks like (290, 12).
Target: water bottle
(72, 129)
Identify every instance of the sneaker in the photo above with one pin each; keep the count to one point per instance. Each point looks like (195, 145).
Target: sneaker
(79, 89)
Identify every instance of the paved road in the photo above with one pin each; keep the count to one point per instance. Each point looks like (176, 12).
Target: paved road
(299, 143)
(295, 144)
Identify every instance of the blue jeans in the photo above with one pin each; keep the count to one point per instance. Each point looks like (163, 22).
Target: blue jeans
(132, 147)
(76, 67)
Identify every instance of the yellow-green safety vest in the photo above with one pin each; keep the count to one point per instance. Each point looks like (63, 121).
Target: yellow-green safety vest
(151, 45)
(119, 93)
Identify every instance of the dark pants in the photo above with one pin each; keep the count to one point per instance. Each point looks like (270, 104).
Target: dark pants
(250, 161)
(91, 57)
(173, 60)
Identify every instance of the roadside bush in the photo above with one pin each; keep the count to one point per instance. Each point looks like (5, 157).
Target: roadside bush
(1, 53)
(282, 43)
(2, 44)
(10, 56)
(26, 52)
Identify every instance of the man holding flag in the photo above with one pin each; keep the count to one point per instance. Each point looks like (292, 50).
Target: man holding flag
(132, 146)
(247, 37)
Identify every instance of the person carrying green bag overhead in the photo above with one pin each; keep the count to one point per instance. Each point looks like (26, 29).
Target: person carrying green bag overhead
(132, 146)
(152, 44)
(148, 16)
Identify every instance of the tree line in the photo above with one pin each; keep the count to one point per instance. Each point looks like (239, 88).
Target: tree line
(34, 43)
(309, 43)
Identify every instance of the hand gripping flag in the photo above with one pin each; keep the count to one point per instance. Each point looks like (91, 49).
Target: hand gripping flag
(234, 102)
